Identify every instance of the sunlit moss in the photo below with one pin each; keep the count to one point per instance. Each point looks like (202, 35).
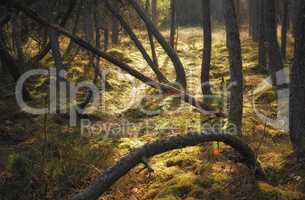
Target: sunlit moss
(268, 192)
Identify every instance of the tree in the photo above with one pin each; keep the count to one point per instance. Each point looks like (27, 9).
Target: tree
(151, 37)
(262, 59)
(297, 86)
(237, 6)
(154, 11)
(254, 19)
(12, 66)
(115, 26)
(236, 74)
(273, 50)
(173, 24)
(207, 43)
(285, 24)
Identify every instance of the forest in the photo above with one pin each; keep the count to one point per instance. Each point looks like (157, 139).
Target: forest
(152, 100)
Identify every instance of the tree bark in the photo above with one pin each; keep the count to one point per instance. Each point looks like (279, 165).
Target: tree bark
(238, 9)
(273, 50)
(207, 48)
(151, 39)
(115, 26)
(11, 65)
(285, 23)
(236, 73)
(254, 19)
(262, 59)
(173, 23)
(154, 9)
(297, 86)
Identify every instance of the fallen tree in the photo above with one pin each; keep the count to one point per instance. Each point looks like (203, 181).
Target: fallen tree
(122, 167)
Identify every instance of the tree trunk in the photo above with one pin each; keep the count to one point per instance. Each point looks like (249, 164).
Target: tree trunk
(238, 14)
(59, 66)
(285, 21)
(17, 38)
(254, 19)
(173, 24)
(297, 86)
(262, 59)
(154, 10)
(11, 65)
(273, 50)
(115, 26)
(180, 72)
(151, 39)
(106, 39)
(236, 74)
(206, 59)
(136, 41)
(88, 21)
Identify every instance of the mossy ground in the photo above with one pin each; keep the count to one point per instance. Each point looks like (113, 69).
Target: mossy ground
(193, 173)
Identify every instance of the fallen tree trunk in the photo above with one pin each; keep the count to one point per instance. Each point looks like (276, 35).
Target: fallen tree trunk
(104, 182)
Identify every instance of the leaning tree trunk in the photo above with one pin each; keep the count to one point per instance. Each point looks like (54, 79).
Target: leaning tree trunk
(297, 86)
(234, 47)
(206, 60)
(285, 21)
(180, 72)
(151, 37)
(137, 42)
(273, 50)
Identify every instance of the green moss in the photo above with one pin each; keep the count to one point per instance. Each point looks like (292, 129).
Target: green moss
(268, 192)
(19, 165)
(119, 55)
(180, 186)
(267, 97)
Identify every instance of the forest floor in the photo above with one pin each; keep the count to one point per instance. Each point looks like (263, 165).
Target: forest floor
(60, 159)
